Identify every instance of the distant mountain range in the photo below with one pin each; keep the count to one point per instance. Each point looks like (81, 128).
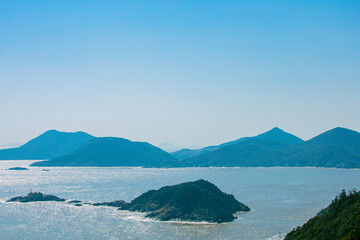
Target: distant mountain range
(339, 147)
(275, 134)
(111, 151)
(48, 145)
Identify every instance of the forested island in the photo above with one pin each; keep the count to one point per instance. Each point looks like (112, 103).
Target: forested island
(339, 221)
(192, 201)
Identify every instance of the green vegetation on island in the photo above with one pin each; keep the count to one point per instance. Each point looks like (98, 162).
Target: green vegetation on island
(339, 221)
(191, 201)
(198, 201)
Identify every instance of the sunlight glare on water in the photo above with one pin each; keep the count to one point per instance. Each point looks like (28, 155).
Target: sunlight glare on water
(280, 199)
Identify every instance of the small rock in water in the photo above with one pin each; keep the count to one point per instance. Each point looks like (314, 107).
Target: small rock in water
(119, 203)
(17, 168)
(74, 201)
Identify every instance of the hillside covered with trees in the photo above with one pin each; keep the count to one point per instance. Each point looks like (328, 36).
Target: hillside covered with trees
(339, 221)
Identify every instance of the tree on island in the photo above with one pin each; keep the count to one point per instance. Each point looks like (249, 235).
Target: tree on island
(339, 221)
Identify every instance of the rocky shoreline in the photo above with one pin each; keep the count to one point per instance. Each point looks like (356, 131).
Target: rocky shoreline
(198, 201)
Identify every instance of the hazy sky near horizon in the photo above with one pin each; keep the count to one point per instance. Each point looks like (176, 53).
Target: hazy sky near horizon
(185, 72)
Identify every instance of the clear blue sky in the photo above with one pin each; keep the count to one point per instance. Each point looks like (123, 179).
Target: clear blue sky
(186, 72)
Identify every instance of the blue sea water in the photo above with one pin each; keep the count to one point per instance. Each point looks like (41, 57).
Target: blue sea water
(280, 199)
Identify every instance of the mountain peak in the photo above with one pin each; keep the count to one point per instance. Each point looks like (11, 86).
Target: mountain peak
(279, 135)
(49, 144)
(112, 151)
(51, 131)
(341, 130)
(276, 129)
(338, 135)
(54, 131)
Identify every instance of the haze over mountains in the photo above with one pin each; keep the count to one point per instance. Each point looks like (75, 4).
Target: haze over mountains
(111, 151)
(50, 144)
(275, 134)
(10, 145)
(339, 147)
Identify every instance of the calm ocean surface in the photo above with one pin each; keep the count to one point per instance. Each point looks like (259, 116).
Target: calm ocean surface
(280, 199)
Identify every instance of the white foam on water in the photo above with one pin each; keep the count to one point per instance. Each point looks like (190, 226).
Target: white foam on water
(192, 223)
(135, 216)
(276, 237)
(140, 217)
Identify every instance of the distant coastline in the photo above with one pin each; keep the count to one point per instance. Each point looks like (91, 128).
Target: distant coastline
(27, 163)
(336, 148)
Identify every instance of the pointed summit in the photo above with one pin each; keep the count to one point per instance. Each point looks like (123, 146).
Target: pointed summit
(279, 135)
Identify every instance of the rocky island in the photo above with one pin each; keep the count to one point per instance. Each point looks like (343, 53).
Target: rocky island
(191, 201)
(17, 168)
(36, 197)
(198, 201)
